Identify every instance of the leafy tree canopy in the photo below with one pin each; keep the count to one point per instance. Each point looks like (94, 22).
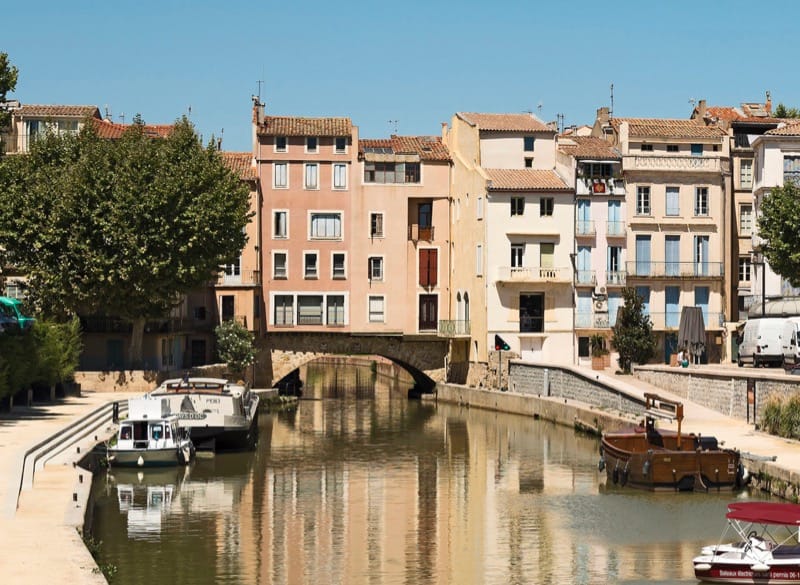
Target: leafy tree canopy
(779, 226)
(8, 82)
(782, 111)
(632, 335)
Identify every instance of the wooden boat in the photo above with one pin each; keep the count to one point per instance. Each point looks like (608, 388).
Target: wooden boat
(766, 549)
(648, 458)
(150, 437)
(220, 415)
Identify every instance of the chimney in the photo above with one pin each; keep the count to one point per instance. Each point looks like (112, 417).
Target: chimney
(768, 104)
(701, 109)
(603, 115)
(258, 111)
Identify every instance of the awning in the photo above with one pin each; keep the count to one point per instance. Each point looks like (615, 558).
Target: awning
(765, 513)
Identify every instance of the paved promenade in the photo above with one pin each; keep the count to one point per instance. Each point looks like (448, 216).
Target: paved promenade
(39, 540)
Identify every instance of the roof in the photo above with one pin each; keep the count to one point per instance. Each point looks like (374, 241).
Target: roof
(48, 111)
(667, 128)
(588, 147)
(505, 122)
(427, 147)
(241, 163)
(108, 129)
(789, 129)
(779, 513)
(525, 180)
(294, 126)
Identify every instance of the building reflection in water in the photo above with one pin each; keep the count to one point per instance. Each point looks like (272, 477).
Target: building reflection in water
(369, 487)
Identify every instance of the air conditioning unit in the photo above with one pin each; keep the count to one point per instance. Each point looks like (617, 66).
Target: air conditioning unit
(601, 306)
(601, 291)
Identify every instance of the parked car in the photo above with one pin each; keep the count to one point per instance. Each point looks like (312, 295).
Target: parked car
(761, 342)
(12, 317)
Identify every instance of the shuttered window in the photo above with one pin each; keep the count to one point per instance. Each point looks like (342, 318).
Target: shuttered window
(428, 266)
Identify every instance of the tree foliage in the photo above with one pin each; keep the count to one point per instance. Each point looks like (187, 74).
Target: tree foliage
(779, 226)
(235, 346)
(8, 82)
(781, 111)
(632, 335)
(120, 227)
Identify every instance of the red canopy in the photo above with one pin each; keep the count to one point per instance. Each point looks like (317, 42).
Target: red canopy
(765, 513)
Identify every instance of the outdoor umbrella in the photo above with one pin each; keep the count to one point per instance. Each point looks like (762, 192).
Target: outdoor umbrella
(692, 331)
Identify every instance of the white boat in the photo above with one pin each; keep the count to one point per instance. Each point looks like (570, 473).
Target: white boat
(150, 437)
(766, 549)
(220, 415)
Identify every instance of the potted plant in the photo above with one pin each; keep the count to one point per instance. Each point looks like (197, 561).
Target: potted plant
(600, 353)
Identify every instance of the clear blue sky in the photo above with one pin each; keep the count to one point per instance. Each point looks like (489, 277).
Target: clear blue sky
(416, 62)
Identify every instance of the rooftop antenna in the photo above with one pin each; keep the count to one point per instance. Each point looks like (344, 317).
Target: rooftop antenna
(394, 122)
(108, 112)
(611, 111)
(122, 117)
(560, 123)
(539, 109)
(219, 140)
(190, 110)
(692, 101)
(259, 82)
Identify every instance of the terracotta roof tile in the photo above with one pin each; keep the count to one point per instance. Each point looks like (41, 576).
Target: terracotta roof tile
(727, 113)
(588, 147)
(525, 180)
(241, 163)
(46, 111)
(427, 147)
(294, 126)
(667, 128)
(108, 129)
(790, 129)
(505, 122)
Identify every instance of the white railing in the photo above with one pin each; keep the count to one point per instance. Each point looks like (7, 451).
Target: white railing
(672, 163)
(533, 274)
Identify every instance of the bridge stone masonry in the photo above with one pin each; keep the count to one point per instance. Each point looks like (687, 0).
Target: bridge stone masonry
(280, 353)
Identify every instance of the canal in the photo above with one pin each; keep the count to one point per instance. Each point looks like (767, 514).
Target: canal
(361, 485)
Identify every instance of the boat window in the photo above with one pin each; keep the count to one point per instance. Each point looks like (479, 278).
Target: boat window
(167, 432)
(125, 433)
(156, 430)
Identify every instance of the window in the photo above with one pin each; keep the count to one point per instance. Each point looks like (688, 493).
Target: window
(312, 144)
(283, 309)
(672, 148)
(281, 144)
(339, 176)
(338, 271)
(546, 252)
(701, 201)
(428, 267)
(310, 265)
(745, 269)
(647, 148)
(673, 201)
(391, 172)
(746, 220)
(697, 150)
(312, 176)
(375, 267)
(517, 206)
(791, 168)
(280, 174)
(335, 309)
(528, 143)
(643, 201)
(479, 260)
(376, 309)
(376, 225)
(479, 210)
(280, 225)
(279, 261)
(233, 271)
(309, 310)
(326, 226)
(672, 255)
(528, 162)
(227, 305)
(517, 252)
(340, 145)
(15, 289)
(546, 207)
(746, 173)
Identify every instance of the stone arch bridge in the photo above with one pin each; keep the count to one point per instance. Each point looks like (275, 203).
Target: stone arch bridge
(423, 356)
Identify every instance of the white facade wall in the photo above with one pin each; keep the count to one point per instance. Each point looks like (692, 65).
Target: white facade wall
(505, 150)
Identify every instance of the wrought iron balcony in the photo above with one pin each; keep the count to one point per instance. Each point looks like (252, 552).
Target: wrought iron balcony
(650, 269)
(454, 328)
(585, 227)
(585, 278)
(615, 229)
(615, 277)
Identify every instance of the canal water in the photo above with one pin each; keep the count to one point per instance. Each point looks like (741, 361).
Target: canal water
(361, 485)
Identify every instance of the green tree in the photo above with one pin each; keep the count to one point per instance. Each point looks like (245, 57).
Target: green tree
(8, 82)
(235, 346)
(632, 335)
(779, 226)
(782, 111)
(120, 227)
(58, 348)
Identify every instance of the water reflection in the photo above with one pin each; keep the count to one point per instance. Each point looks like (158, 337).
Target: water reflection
(383, 490)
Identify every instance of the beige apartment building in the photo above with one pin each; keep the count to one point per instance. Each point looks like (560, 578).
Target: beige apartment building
(675, 177)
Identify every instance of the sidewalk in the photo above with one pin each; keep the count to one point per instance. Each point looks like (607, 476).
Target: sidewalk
(40, 542)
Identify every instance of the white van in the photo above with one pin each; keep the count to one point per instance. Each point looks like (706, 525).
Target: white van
(761, 342)
(790, 341)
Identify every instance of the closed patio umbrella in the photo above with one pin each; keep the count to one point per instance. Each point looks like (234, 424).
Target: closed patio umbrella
(692, 331)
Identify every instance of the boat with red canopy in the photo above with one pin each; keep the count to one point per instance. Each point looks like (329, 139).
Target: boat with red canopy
(767, 549)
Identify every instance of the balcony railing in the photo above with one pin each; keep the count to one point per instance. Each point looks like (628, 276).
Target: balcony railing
(244, 277)
(417, 232)
(640, 162)
(672, 320)
(533, 274)
(592, 321)
(616, 277)
(650, 269)
(454, 328)
(585, 277)
(615, 229)
(585, 227)
(600, 186)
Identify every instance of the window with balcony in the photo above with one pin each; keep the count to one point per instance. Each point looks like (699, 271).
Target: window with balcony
(280, 174)
(643, 201)
(376, 225)
(701, 201)
(375, 267)
(528, 143)
(280, 224)
(428, 267)
(335, 309)
(673, 201)
(281, 144)
(283, 309)
(517, 254)
(546, 205)
(326, 226)
(233, 271)
(339, 176)
(546, 255)
(746, 173)
(517, 206)
(309, 310)
(697, 149)
(391, 172)
(279, 265)
(310, 265)
(311, 176)
(745, 269)
(376, 309)
(338, 271)
(746, 219)
(672, 255)
(701, 252)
